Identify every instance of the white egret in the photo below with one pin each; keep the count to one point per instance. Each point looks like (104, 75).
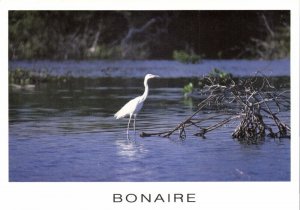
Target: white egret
(133, 106)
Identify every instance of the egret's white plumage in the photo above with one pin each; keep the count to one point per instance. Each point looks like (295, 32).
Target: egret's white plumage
(132, 107)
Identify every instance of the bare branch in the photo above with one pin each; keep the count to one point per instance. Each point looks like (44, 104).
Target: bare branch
(252, 97)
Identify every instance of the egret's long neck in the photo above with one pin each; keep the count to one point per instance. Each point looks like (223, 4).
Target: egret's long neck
(144, 96)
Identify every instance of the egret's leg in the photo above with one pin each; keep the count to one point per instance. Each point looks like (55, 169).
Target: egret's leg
(134, 116)
(128, 127)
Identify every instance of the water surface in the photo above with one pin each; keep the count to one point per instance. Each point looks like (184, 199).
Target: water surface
(66, 132)
(165, 68)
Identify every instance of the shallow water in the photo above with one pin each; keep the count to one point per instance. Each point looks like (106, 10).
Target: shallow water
(67, 132)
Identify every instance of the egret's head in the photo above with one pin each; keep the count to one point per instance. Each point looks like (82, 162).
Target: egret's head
(150, 76)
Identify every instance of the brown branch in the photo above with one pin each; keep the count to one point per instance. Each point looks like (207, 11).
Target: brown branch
(252, 100)
(182, 124)
(215, 126)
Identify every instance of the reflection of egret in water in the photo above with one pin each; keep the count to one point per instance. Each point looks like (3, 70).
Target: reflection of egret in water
(133, 160)
(130, 150)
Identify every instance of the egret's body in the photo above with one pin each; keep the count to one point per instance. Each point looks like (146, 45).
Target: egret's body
(133, 107)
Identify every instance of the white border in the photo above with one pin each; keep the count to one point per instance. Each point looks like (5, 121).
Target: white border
(210, 195)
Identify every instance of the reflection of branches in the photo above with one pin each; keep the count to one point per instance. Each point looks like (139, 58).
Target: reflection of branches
(257, 101)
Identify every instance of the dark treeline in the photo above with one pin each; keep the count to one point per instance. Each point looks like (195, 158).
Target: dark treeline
(148, 34)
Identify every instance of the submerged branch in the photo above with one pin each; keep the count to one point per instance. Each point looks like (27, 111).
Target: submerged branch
(181, 126)
(255, 104)
(215, 126)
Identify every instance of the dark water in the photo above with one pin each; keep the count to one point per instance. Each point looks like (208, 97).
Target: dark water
(66, 132)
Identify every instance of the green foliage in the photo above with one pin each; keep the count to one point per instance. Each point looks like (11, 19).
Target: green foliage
(25, 34)
(217, 76)
(145, 35)
(188, 89)
(64, 34)
(185, 57)
(20, 77)
(217, 73)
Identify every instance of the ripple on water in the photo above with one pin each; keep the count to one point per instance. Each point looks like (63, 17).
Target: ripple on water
(74, 137)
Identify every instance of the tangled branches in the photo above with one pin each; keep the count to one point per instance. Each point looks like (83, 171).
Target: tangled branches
(257, 102)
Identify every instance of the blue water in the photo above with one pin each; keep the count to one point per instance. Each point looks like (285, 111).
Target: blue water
(165, 68)
(67, 132)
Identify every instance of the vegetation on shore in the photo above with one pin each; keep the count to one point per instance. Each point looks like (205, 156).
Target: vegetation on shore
(149, 35)
(185, 57)
(275, 45)
(28, 80)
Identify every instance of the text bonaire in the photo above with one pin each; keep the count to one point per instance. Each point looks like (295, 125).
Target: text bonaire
(154, 198)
